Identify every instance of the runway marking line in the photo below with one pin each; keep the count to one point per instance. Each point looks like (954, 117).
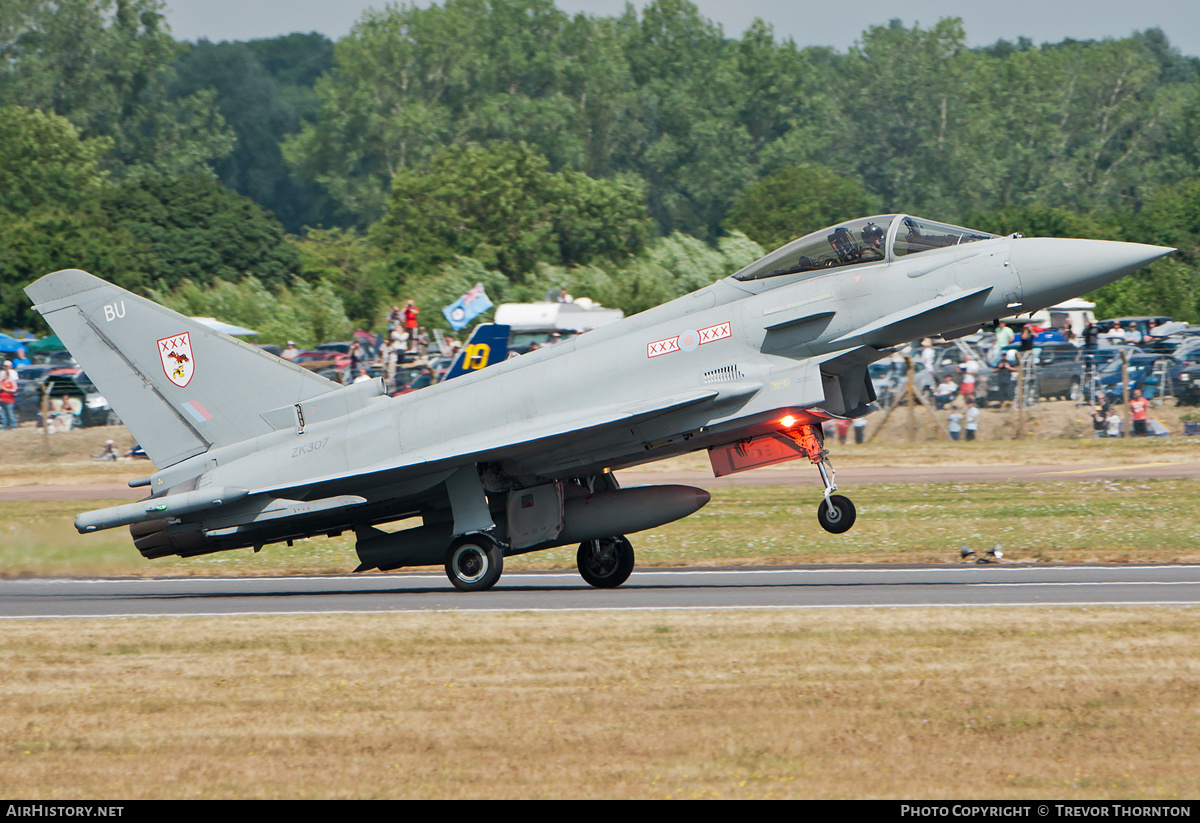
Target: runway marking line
(443, 610)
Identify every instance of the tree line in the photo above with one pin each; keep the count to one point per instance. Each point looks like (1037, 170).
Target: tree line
(630, 158)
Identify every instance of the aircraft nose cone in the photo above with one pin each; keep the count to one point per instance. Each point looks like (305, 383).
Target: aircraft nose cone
(1054, 269)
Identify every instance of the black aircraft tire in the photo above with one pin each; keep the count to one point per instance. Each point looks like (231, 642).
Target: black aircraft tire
(842, 520)
(611, 568)
(474, 563)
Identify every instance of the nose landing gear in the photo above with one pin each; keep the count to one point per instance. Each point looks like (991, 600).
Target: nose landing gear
(836, 513)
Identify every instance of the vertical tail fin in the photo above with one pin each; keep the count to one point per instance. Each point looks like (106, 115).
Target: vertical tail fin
(179, 386)
(487, 345)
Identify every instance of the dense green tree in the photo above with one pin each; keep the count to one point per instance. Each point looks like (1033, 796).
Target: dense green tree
(51, 184)
(52, 238)
(251, 102)
(352, 266)
(504, 207)
(44, 163)
(1037, 220)
(194, 228)
(409, 81)
(295, 62)
(308, 314)
(795, 201)
(1169, 217)
(105, 66)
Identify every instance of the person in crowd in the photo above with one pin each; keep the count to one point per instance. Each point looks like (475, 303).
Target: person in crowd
(955, 425)
(1005, 379)
(1139, 413)
(389, 358)
(290, 352)
(1004, 334)
(410, 323)
(927, 354)
(970, 370)
(971, 417)
(945, 392)
(8, 399)
(1112, 424)
(843, 429)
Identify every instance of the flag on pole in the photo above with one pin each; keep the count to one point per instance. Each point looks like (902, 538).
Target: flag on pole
(466, 308)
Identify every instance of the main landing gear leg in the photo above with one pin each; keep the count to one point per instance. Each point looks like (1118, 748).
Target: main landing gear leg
(835, 513)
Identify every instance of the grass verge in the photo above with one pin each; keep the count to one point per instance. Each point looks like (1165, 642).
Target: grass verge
(1061, 521)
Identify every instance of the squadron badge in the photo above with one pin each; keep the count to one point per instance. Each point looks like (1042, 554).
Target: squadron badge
(176, 355)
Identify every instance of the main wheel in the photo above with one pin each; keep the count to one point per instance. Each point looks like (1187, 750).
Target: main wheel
(474, 562)
(842, 518)
(605, 563)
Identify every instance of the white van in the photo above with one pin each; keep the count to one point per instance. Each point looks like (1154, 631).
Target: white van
(1070, 314)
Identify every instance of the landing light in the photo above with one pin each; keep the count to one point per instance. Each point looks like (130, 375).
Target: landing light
(788, 422)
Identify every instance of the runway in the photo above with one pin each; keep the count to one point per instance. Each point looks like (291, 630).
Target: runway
(967, 585)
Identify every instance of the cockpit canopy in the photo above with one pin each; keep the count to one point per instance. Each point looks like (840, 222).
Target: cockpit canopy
(866, 240)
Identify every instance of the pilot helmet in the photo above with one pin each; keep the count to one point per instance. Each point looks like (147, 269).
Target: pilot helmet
(872, 234)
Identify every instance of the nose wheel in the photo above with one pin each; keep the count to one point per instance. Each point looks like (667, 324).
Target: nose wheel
(836, 513)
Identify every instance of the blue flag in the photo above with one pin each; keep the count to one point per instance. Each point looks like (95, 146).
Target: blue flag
(466, 308)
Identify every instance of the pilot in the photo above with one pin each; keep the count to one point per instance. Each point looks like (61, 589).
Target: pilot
(872, 237)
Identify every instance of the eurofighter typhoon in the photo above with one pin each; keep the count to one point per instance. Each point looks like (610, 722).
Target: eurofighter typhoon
(251, 450)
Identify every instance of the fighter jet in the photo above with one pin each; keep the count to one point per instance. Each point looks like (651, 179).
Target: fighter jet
(251, 450)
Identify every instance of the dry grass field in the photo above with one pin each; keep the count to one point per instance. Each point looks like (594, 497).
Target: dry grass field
(937, 703)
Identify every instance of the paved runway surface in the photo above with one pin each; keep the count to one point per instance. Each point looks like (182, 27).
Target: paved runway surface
(791, 587)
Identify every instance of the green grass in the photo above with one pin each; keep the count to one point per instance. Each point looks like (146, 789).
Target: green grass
(1067, 521)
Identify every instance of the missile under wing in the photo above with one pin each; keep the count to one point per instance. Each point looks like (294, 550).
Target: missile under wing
(251, 450)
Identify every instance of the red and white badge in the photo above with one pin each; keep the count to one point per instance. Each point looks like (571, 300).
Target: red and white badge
(689, 340)
(176, 355)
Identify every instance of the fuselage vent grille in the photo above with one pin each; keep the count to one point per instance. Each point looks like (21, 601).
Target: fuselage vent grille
(725, 374)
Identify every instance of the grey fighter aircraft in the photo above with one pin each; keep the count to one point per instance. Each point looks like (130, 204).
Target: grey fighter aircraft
(251, 450)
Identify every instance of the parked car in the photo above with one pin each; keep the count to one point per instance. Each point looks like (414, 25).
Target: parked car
(1059, 368)
(1187, 385)
(1143, 375)
(72, 394)
(888, 377)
